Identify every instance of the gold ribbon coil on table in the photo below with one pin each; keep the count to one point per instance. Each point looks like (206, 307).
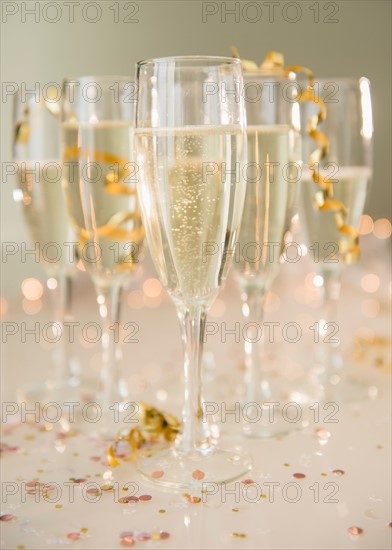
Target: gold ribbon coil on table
(152, 424)
(273, 64)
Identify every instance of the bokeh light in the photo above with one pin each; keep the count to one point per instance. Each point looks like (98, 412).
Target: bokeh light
(32, 289)
(366, 225)
(382, 228)
(370, 307)
(135, 299)
(31, 307)
(370, 282)
(152, 288)
(51, 283)
(3, 306)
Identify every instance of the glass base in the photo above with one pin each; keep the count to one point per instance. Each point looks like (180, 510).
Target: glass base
(56, 403)
(59, 394)
(273, 421)
(345, 390)
(168, 468)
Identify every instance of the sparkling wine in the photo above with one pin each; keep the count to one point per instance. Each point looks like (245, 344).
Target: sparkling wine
(320, 229)
(189, 182)
(100, 182)
(42, 196)
(269, 201)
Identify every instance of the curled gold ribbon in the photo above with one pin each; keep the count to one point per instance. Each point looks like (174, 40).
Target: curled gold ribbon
(22, 128)
(114, 185)
(324, 198)
(153, 424)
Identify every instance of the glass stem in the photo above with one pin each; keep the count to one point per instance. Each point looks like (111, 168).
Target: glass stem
(328, 357)
(112, 387)
(67, 371)
(195, 432)
(257, 387)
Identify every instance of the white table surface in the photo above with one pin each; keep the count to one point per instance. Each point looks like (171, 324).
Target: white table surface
(359, 443)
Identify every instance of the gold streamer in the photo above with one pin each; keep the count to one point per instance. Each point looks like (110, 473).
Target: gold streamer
(22, 128)
(113, 186)
(324, 198)
(153, 424)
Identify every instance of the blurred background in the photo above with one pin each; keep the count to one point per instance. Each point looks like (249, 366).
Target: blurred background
(46, 41)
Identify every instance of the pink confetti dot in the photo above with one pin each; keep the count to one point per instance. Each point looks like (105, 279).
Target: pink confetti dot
(164, 535)
(126, 534)
(198, 474)
(32, 484)
(7, 517)
(127, 542)
(144, 536)
(194, 500)
(323, 434)
(299, 476)
(355, 531)
(145, 497)
(93, 491)
(157, 474)
(73, 536)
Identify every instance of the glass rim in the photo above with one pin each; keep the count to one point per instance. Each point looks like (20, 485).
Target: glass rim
(210, 60)
(347, 80)
(267, 74)
(98, 78)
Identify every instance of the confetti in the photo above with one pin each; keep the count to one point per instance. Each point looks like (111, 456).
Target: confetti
(32, 484)
(145, 497)
(192, 499)
(338, 472)
(7, 517)
(93, 491)
(107, 487)
(78, 481)
(157, 474)
(127, 542)
(73, 536)
(238, 535)
(144, 536)
(162, 511)
(164, 535)
(355, 531)
(299, 476)
(127, 500)
(323, 434)
(198, 474)
(126, 534)
(247, 481)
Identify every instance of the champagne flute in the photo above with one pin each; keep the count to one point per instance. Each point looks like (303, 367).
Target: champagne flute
(40, 192)
(348, 164)
(190, 122)
(272, 175)
(100, 183)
